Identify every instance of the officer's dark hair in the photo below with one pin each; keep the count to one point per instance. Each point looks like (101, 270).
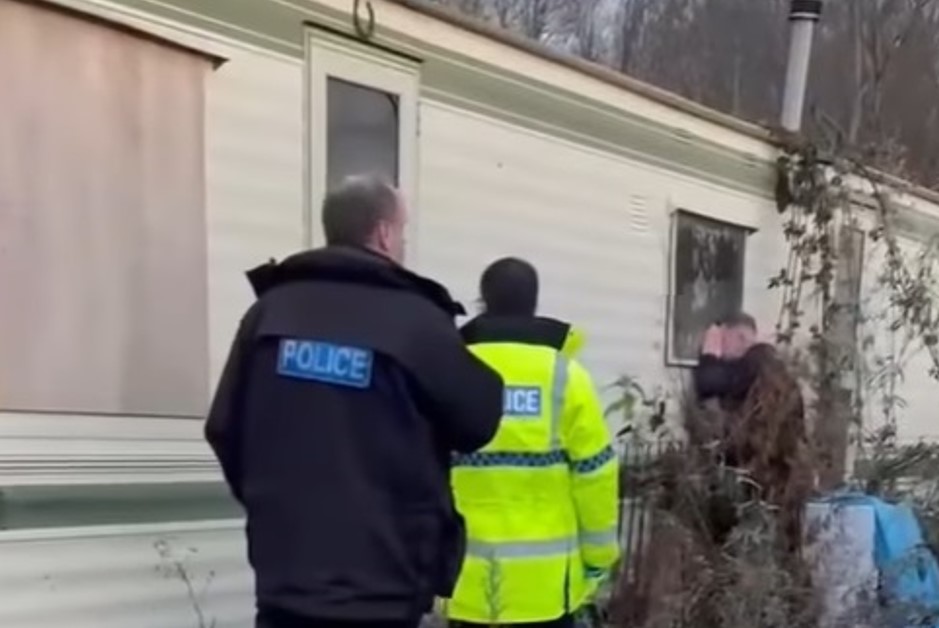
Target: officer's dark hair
(509, 287)
(739, 319)
(352, 212)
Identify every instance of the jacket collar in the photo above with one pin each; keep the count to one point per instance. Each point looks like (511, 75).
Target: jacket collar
(350, 265)
(535, 330)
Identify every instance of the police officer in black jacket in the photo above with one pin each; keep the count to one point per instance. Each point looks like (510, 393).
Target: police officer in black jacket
(345, 393)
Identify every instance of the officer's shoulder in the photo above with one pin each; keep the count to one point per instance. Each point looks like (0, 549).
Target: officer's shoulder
(577, 372)
(573, 342)
(431, 300)
(409, 312)
(252, 315)
(422, 312)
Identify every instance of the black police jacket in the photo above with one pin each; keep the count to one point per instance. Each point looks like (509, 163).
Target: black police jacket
(346, 390)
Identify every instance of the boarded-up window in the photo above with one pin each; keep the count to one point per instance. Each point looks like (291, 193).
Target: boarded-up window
(708, 260)
(102, 223)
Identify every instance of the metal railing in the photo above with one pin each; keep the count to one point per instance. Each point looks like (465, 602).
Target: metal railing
(637, 495)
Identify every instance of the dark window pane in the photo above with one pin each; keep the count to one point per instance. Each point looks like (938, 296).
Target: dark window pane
(708, 279)
(362, 133)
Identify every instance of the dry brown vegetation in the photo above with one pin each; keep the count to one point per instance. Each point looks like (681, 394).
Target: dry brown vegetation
(716, 554)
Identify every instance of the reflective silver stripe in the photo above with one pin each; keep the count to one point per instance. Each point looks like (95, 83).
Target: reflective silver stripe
(520, 549)
(609, 537)
(558, 388)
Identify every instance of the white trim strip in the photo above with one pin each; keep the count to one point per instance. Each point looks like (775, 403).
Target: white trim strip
(97, 532)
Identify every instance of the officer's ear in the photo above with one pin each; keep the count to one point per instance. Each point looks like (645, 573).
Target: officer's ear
(389, 240)
(382, 236)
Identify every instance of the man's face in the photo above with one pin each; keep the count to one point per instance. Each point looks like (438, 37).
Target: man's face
(391, 238)
(737, 341)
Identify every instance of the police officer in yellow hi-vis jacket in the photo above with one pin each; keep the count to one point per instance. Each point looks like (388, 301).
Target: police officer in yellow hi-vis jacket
(540, 500)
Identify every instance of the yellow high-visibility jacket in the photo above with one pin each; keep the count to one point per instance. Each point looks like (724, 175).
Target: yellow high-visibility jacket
(540, 500)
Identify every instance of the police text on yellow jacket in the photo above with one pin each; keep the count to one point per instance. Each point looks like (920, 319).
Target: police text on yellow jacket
(540, 500)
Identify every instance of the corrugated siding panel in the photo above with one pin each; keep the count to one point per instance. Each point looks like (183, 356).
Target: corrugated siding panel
(919, 414)
(490, 190)
(119, 579)
(596, 225)
(917, 392)
(920, 392)
(59, 449)
(255, 179)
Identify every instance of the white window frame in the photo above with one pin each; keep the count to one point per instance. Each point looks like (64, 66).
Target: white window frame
(330, 55)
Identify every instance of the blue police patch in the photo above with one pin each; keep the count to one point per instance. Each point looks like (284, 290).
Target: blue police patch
(522, 401)
(325, 362)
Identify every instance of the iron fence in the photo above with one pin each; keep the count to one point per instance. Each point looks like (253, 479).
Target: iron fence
(639, 488)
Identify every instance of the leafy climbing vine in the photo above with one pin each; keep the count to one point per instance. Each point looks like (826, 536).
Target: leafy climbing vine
(840, 218)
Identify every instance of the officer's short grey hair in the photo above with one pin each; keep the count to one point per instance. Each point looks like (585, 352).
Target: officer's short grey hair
(352, 212)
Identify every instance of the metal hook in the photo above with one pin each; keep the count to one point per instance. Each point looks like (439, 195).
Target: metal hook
(368, 30)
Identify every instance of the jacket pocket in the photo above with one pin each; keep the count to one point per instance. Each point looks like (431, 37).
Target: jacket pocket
(436, 544)
(420, 534)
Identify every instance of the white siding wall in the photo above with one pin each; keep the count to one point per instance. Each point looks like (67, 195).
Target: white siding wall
(120, 578)
(254, 188)
(115, 577)
(255, 179)
(920, 414)
(595, 224)
(917, 405)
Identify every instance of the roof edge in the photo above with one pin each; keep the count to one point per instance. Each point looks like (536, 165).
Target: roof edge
(776, 138)
(903, 185)
(595, 70)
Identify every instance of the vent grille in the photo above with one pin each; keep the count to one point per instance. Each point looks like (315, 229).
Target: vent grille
(638, 214)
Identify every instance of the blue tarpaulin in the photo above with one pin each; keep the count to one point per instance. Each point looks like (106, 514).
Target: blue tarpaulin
(907, 570)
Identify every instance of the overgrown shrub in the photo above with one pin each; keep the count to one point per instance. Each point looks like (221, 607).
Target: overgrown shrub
(714, 555)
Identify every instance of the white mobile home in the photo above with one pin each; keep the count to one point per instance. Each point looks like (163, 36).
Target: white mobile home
(152, 150)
